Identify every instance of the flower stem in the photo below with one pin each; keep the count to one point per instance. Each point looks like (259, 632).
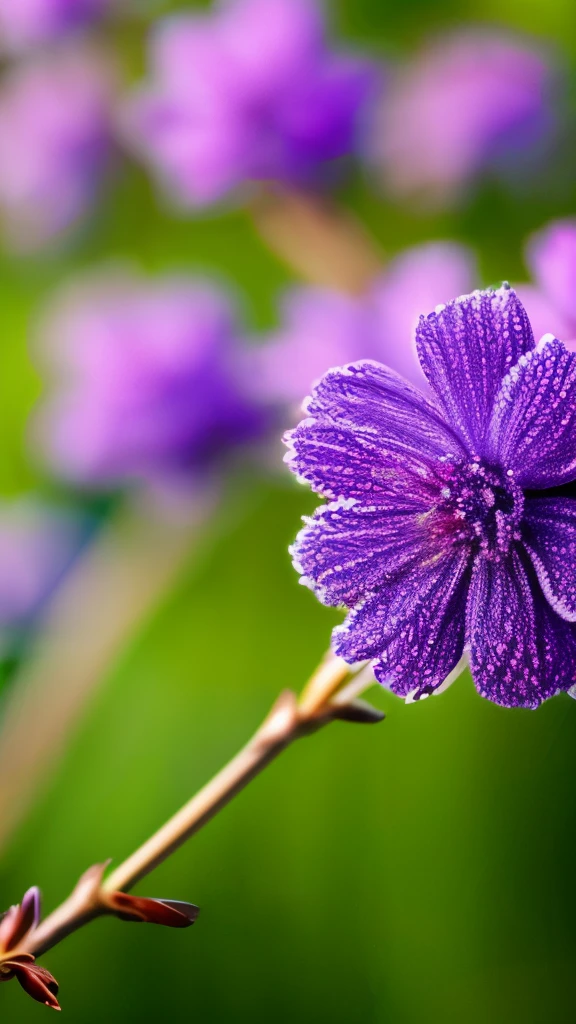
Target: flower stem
(288, 720)
(321, 243)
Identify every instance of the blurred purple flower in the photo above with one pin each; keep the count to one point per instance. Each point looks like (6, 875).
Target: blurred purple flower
(149, 382)
(27, 23)
(323, 328)
(551, 300)
(37, 545)
(54, 142)
(467, 102)
(442, 533)
(249, 92)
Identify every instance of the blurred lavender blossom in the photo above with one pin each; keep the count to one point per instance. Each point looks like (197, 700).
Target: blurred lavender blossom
(468, 102)
(28, 23)
(148, 384)
(324, 328)
(38, 543)
(551, 300)
(250, 92)
(54, 142)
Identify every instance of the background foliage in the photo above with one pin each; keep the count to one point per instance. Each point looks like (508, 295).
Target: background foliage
(418, 872)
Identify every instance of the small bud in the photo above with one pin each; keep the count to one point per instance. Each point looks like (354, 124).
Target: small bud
(171, 913)
(36, 981)
(359, 711)
(19, 920)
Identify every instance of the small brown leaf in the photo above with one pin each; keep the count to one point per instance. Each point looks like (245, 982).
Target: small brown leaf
(171, 913)
(35, 980)
(359, 711)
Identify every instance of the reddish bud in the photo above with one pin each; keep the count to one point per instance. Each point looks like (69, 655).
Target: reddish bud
(171, 913)
(19, 920)
(36, 981)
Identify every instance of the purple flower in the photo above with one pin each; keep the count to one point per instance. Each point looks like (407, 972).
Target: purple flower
(54, 142)
(450, 526)
(248, 92)
(551, 301)
(37, 545)
(149, 382)
(26, 23)
(324, 328)
(466, 103)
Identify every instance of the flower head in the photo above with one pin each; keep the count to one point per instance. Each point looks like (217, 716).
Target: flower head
(26, 23)
(54, 143)
(467, 102)
(450, 526)
(551, 300)
(148, 383)
(15, 926)
(249, 92)
(324, 328)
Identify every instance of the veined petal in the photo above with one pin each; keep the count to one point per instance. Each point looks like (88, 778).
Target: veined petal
(414, 626)
(465, 349)
(364, 422)
(533, 427)
(36, 981)
(350, 549)
(550, 539)
(521, 651)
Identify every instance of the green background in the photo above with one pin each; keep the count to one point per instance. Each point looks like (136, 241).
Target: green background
(416, 872)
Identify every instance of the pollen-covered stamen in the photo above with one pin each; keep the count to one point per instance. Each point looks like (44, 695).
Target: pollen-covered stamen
(482, 504)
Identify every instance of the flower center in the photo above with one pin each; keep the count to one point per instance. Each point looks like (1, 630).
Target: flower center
(482, 505)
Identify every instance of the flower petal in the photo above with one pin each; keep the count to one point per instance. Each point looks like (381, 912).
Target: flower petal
(414, 625)
(347, 551)
(550, 539)
(364, 423)
(533, 427)
(19, 920)
(414, 282)
(521, 651)
(465, 349)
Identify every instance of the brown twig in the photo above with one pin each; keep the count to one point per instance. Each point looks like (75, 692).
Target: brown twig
(288, 720)
(320, 242)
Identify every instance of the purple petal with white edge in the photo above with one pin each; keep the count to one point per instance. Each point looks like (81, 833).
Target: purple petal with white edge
(430, 635)
(557, 642)
(348, 549)
(550, 539)
(533, 427)
(465, 349)
(516, 640)
(364, 422)
(414, 625)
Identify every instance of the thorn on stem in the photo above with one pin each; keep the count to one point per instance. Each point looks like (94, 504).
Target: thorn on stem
(359, 711)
